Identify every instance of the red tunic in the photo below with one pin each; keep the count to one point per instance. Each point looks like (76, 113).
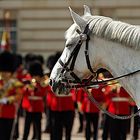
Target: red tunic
(107, 90)
(119, 102)
(33, 99)
(62, 102)
(13, 96)
(87, 105)
(73, 92)
(22, 75)
(80, 95)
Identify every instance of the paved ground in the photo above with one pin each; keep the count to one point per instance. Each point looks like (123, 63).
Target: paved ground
(45, 136)
(75, 136)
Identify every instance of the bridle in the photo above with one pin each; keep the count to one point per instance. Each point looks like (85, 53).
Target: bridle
(69, 65)
(92, 81)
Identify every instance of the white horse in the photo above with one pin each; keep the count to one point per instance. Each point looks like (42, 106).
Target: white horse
(113, 45)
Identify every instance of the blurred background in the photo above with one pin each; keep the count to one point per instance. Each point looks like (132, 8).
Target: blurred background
(38, 25)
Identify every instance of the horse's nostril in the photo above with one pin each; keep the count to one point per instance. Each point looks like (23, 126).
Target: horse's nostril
(53, 85)
(53, 89)
(50, 82)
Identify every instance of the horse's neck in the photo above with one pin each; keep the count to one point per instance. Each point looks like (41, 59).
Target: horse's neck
(115, 57)
(118, 60)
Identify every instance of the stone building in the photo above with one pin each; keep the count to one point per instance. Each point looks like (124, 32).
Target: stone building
(38, 25)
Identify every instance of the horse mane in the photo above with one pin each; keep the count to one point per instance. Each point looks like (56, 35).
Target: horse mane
(120, 32)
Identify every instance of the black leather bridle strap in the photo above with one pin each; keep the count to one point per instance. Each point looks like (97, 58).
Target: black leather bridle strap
(75, 56)
(65, 66)
(72, 59)
(78, 46)
(71, 72)
(87, 32)
(75, 52)
(87, 55)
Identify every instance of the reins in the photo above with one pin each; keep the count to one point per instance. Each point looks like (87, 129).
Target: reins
(90, 82)
(107, 112)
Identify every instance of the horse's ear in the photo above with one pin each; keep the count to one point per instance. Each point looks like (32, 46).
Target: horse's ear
(87, 10)
(78, 20)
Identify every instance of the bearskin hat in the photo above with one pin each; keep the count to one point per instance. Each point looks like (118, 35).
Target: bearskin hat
(40, 59)
(35, 69)
(7, 60)
(18, 60)
(29, 58)
(52, 60)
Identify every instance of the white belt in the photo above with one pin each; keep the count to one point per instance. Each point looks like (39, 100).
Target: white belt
(35, 98)
(120, 99)
(63, 95)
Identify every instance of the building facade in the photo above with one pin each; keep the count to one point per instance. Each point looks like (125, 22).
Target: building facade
(38, 26)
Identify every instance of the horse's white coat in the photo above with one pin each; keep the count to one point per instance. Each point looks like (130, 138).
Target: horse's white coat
(114, 47)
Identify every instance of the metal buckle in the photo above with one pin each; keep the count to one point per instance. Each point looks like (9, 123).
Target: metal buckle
(86, 52)
(83, 37)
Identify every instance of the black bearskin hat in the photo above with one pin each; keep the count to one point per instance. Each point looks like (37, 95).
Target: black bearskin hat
(52, 60)
(7, 60)
(35, 69)
(29, 58)
(18, 60)
(40, 59)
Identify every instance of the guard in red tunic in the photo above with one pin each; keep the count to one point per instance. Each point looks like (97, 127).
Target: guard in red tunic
(135, 131)
(92, 112)
(48, 110)
(22, 75)
(118, 104)
(106, 119)
(10, 95)
(78, 96)
(52, 59)
(33, 101)
(62, 116)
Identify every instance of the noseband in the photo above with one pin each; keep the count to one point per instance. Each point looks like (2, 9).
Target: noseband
(69, 65)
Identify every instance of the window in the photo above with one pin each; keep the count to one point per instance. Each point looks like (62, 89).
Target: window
(12, 28)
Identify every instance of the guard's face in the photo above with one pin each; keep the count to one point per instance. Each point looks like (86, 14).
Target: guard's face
(6, 75)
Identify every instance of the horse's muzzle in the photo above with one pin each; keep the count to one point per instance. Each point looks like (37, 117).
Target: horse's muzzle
(53, 85)
(58, 87)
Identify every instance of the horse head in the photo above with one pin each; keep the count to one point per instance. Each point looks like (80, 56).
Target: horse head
(69, 66)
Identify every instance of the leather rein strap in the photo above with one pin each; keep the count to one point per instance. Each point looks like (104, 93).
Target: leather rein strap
(107, 112)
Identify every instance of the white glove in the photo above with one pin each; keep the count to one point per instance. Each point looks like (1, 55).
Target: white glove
(4, 100)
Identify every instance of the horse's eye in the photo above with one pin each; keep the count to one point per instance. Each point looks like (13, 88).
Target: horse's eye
(68, 45)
